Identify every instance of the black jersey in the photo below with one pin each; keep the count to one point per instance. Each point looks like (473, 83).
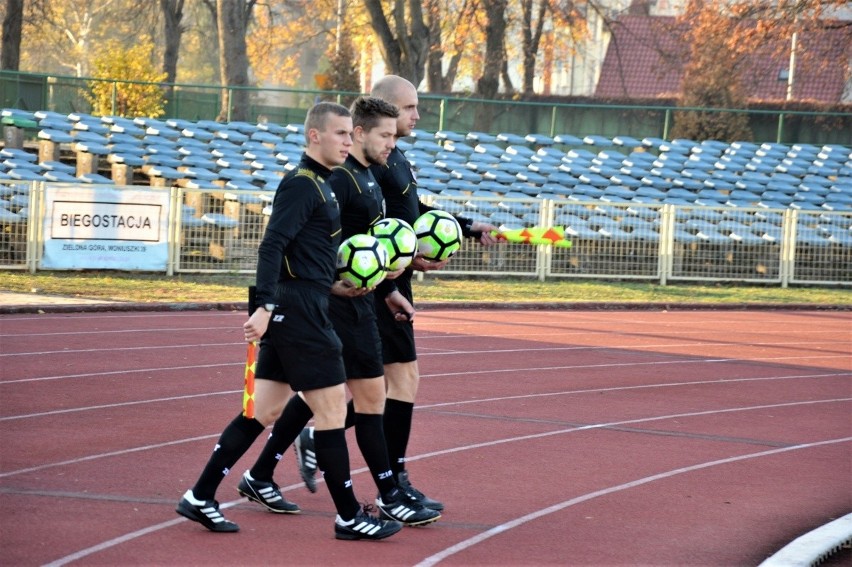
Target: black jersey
(358, 196)
(399, 188)
(303, 234)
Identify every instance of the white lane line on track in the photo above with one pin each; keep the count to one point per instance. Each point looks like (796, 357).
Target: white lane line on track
(125, 371)
(110, 454)
(466, 447)
(171, 330)
(519, 521)
(448, 353)
(135, 348)
(227, 392)
(502, 528)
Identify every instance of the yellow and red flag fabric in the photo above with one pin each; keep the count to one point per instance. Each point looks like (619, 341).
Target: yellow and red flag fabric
(248, 390)
(549, 236)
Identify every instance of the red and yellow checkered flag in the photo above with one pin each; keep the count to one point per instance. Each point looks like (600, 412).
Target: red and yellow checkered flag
(248, 390)
(553, 236)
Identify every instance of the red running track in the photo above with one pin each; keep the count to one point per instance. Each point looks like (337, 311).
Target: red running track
(553, 437)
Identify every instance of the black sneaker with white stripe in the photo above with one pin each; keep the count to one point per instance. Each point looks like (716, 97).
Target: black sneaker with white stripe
(397, 506)
(415, 495)
(267, 494)
(206, 513)
(306, 457)
(365, 526)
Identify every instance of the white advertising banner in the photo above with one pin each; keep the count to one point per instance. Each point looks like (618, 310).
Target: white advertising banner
(105, 228)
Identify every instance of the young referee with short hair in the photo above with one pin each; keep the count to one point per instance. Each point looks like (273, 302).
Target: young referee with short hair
(299, 350)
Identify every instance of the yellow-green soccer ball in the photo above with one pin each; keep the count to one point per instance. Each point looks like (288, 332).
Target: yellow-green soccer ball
(438, 235)
(399, 239)
(362, 260)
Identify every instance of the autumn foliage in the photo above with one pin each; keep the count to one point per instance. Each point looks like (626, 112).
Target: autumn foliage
(134, 95)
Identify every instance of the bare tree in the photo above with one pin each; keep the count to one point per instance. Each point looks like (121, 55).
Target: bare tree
(13, 22)
(489, 82)
(438, 81)
(531, 31)
(173, 29)
(233, 19)
(405, 47)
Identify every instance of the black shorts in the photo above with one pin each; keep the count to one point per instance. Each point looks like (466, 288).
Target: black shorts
(300, 346)
(354, 320)
(397, 336)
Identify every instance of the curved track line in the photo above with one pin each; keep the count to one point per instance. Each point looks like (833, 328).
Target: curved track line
(152, 347)
(144, 531)
(425, 406)
(506, 526)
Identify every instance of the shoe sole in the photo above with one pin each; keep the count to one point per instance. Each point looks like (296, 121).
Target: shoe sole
(416, 524)
(190, 515)
(260, 501)
(354, 537)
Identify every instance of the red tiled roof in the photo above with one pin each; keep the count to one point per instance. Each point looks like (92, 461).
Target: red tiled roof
(645, 60)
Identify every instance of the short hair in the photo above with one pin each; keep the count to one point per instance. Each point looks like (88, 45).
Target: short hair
(368, 110)
(318, 114)
(389, 86)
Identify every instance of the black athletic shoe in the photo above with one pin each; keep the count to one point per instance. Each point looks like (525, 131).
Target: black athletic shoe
(415, 495)
(401, 508)
(207, 514)
(267, 494)
(365, 526)
(306, 457)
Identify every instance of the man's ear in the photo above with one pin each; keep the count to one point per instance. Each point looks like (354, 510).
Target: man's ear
(358, 134)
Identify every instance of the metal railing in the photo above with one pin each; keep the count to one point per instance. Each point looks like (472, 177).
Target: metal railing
(219, 232)
(65, 94)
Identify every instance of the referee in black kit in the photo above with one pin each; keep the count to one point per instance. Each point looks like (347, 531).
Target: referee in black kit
(354, 319)
(299, 350)
(402, 376)
(399, 188)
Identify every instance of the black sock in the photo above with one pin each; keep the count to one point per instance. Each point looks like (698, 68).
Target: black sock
(371, 441)
(233, 443)
(287, 427)
(397, 424)
(333, 461)
(350, 414)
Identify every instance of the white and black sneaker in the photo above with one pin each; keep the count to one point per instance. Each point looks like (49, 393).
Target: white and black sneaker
(306, 457)
(267, 494)
(365, 526)
(205, 512)
(397, 506)
(415, 495)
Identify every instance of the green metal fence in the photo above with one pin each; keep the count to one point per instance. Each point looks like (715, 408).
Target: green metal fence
(30, 91)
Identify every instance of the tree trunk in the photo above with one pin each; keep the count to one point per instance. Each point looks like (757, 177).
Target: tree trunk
(172, 16)
(405, 52)
(233, 58)
(489, 83)
(12, 25)
(532, 31)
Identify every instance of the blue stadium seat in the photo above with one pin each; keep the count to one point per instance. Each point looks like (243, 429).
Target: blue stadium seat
(511, 139)
(481, 137)
(598, 141)
(567, 140)
(539, 140)
(449, 135)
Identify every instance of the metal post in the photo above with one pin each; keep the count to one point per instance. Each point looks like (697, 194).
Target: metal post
(442, 107)
(114, 97)
(666, 124)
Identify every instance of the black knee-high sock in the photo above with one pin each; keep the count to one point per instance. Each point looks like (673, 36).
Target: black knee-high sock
(294, 418)
(350, 414)
(233, 443)
(371, 440)
(333, 460)
(397, 423)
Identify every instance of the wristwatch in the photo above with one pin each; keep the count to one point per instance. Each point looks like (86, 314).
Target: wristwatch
(270, 307)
